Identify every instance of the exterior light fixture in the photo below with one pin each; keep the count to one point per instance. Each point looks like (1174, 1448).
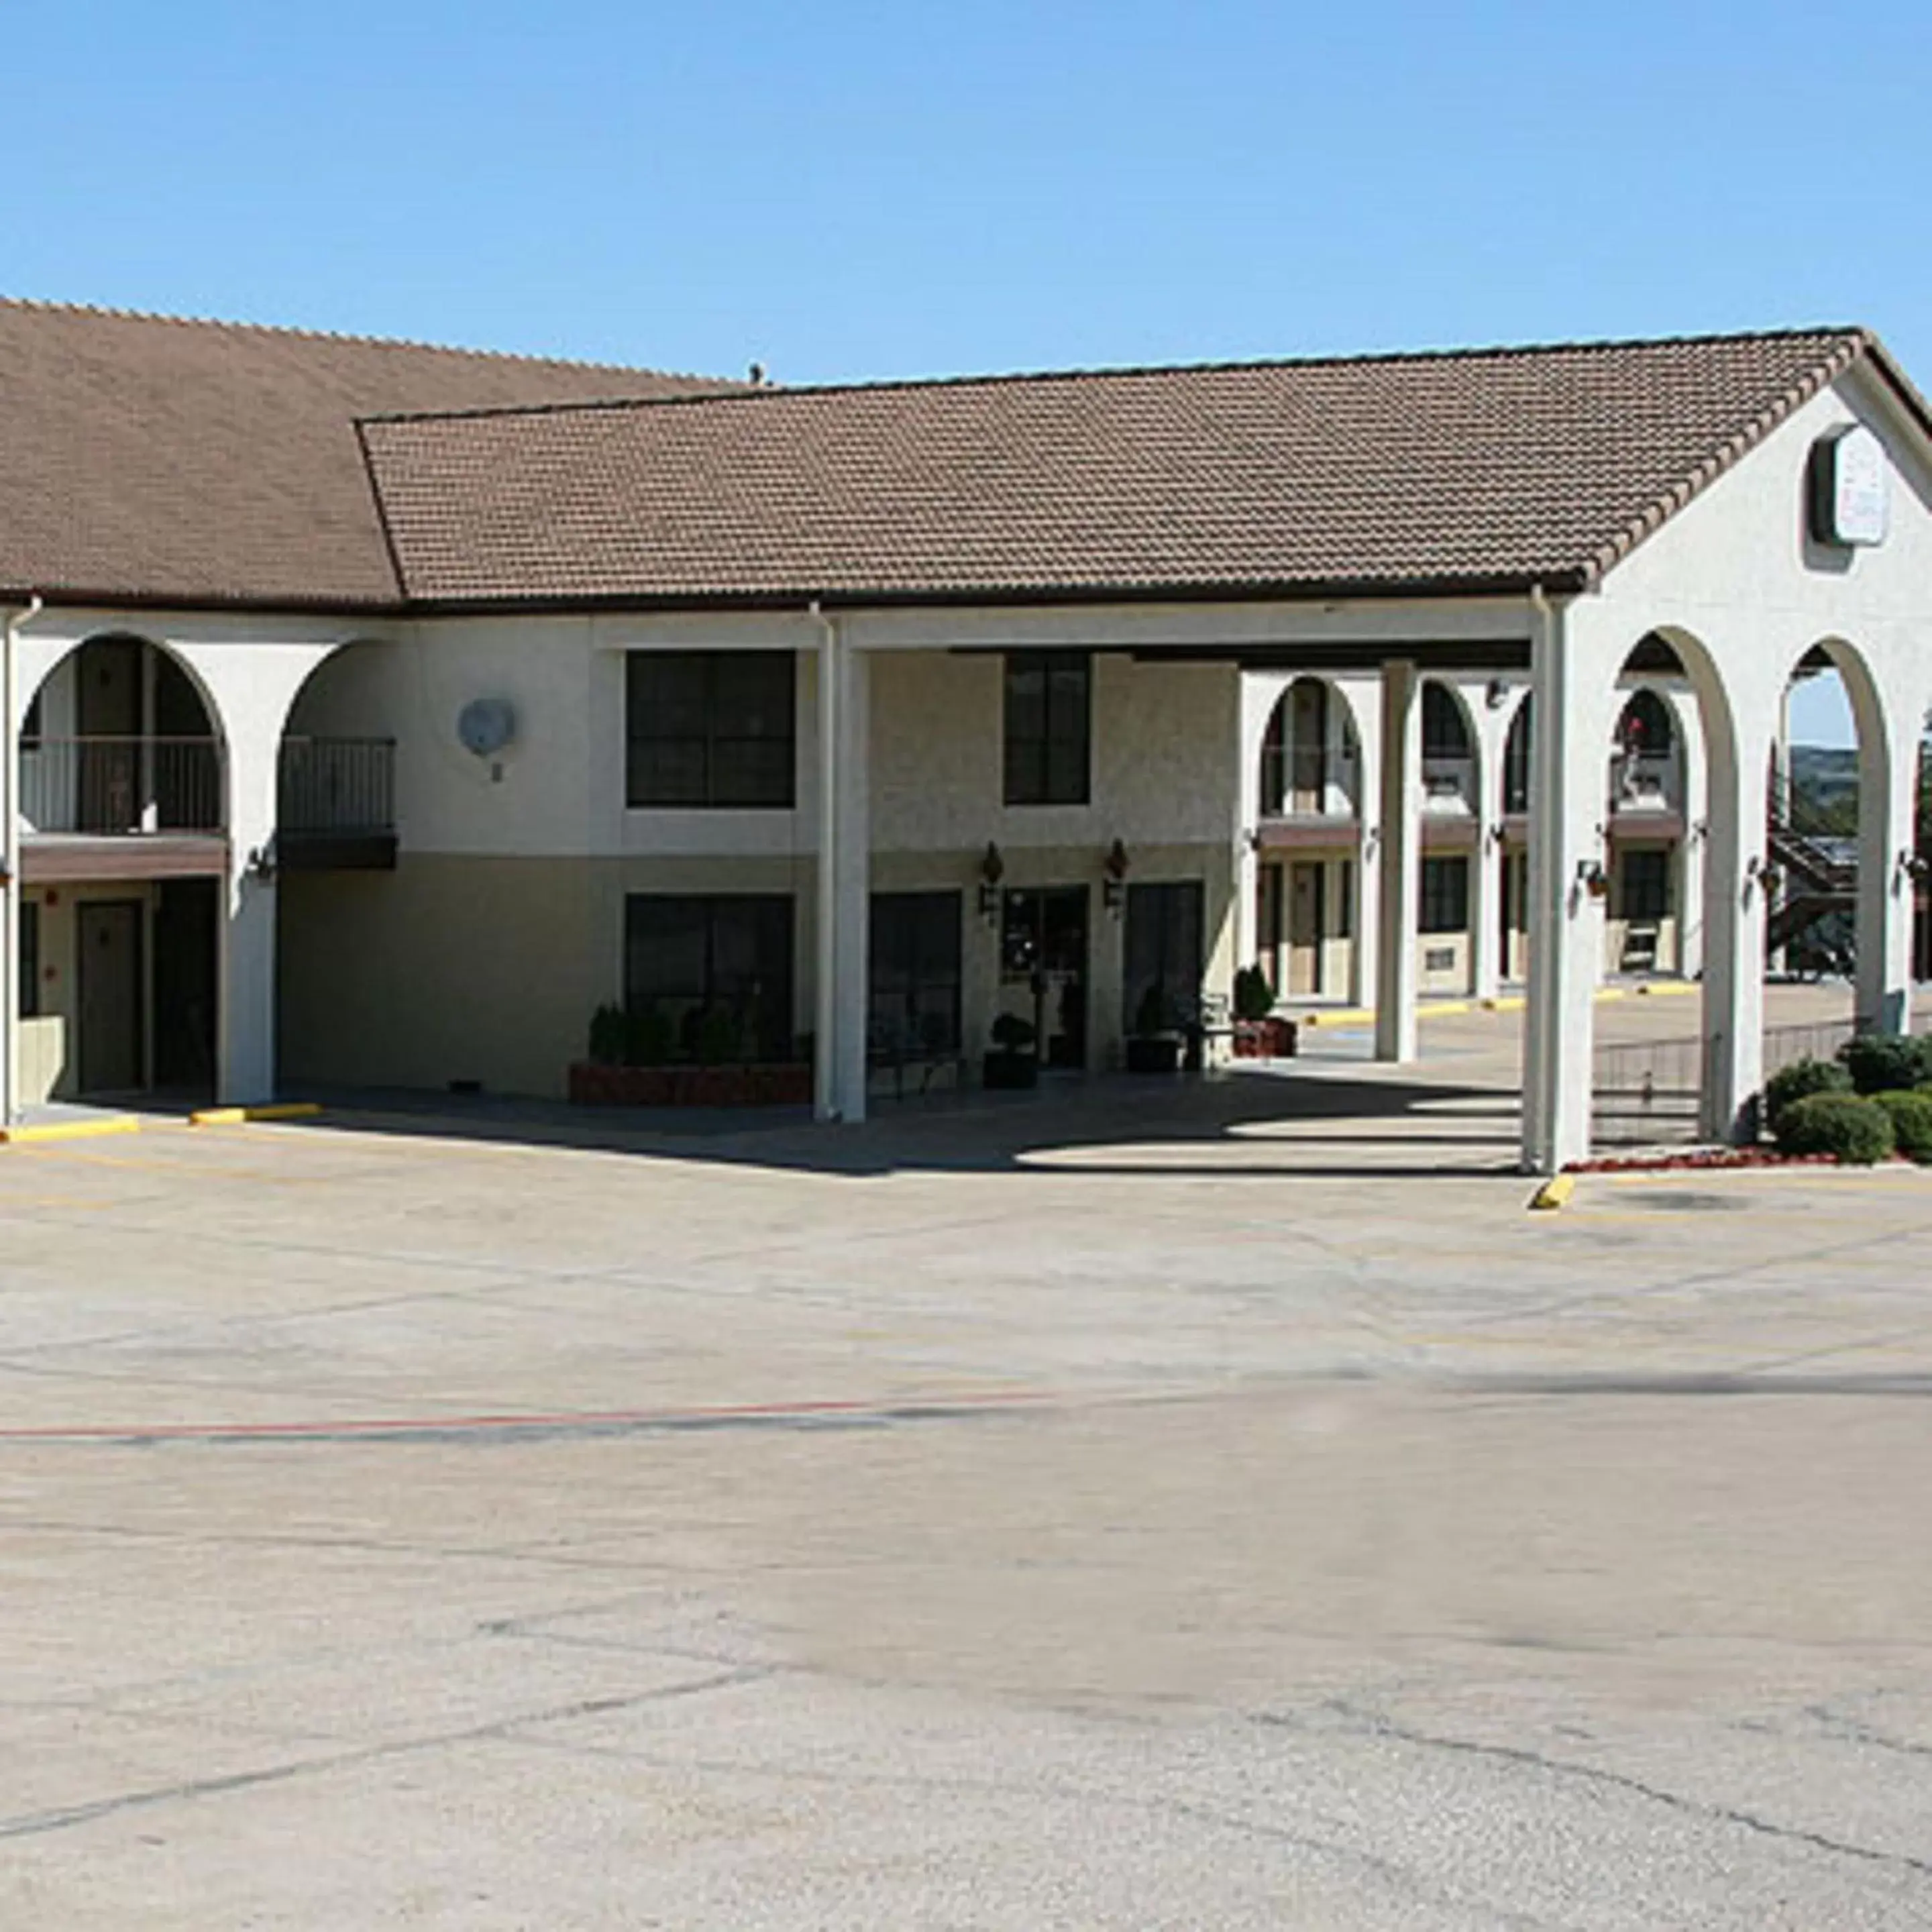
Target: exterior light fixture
(992, 870)
(1114, 877)
(1767, 874)
(260, 865)
(1592, 876)
(1914, 866)
(1495, 694)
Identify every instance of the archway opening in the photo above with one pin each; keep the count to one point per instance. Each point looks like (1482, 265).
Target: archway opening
(122, 809)
(1813, 800)
(1307, 882)
(1652, 1062)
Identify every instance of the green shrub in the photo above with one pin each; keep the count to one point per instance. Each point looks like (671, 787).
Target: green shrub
(1798, 1082)
(607, 1036)
(1254, 998)
(1884, 1063)
(1854, 1132)
(1911, 1113)
(1012, 1034)
(649, 1038)
(719, 1040)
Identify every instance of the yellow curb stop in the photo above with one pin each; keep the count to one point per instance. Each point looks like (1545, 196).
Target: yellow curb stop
(69, 1130)
(1553, 1193)
(233, 1116)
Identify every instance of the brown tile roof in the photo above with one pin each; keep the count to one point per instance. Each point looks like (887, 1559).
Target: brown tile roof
(1442, 471)
(146, 459)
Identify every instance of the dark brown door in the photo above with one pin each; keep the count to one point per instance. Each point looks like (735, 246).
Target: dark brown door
(1308, 745)
(109, 1021)
(107, 674)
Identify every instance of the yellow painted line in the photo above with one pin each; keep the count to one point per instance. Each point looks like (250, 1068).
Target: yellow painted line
(233, 1116)
(1502, 1003)
(1660, 989)
(1553, 1193)
(1336, 1016)
(70, 1130)
(1505, 1002)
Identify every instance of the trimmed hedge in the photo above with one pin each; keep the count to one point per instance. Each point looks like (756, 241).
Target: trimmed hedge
(1853, 1131)
(1798, 1082)
(1911, 1115)
(1883, 1062)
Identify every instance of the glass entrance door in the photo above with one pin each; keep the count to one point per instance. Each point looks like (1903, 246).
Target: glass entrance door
(1043, 947)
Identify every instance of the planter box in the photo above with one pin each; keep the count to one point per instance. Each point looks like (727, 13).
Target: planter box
(1009, 1071)
(785, 1084)
(1153, 1053)
(1271, 1038)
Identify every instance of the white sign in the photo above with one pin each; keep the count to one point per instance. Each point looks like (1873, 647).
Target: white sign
(1850, 501)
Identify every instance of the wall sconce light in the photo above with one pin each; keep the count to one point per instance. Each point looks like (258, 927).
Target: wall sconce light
(1496, 693)
(1765, 875)
(1114, 877)
(1700, 831)
(992, 870)
(260, 865)
(1495, 834)
(1914, 866)
(1592, 876)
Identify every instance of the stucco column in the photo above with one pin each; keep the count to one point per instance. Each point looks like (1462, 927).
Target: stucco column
(1365, 917)
(246, 1060)
(1571, 681)
(1400, 884)
(1887, 830)
(1735, 911)
(1694, 763)
(845, 880)
(1257, 702)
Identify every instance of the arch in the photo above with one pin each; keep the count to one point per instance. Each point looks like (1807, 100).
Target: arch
(1309, 705)
(120, 732)
(1519, 744)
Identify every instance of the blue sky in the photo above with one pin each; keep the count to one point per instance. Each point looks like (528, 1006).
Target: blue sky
(846, 191)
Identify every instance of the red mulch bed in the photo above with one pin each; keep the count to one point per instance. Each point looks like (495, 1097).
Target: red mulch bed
(1697, 1159)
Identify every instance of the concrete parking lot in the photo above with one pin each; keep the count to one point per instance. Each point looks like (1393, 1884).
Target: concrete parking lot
(1219, 1509)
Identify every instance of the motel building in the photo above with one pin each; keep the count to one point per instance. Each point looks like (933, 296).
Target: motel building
(378, 713)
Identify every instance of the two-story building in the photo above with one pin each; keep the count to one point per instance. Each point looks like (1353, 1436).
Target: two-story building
(380, 713)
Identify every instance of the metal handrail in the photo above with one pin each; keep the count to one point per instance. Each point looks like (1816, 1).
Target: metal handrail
(336, 784)
(120, 786)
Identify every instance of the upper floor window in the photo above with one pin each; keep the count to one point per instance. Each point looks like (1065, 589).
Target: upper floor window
(1048, 727)
(710, 728)
(1445, 731)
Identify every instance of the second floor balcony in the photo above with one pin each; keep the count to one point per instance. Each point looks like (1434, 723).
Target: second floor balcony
(1308, 782)
(109, 787)
(1645, 782)
(336, 804)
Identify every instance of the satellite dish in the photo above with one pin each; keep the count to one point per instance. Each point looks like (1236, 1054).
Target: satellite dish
(486, 725)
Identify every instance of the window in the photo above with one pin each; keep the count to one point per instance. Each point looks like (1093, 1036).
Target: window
(1644, 728)
(686, 953)
(1445, 733)
(710, 728)
(30, 959)
(1646, 883)
(1445, 895)
(1516, 761)
(914, 979)
(1048, 712)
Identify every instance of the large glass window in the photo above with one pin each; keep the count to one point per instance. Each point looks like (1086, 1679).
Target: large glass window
(1048, 713)
(1445, 895)
(686, 955)
(710, 728)
(1445, 731)
(915, 972)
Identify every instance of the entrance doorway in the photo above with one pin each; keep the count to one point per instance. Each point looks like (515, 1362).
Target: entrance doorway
(1164, 955)
(1307, 922)
(186, 993)
(110, 1029)
(1043, 946)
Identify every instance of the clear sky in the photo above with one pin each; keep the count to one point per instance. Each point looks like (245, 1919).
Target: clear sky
(844, 191)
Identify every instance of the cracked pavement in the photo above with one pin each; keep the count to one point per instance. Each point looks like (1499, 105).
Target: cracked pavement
(1080, 1517)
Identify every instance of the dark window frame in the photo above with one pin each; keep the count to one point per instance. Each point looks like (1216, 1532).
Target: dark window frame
(767, 1013)
(1444, 906)
(1644, 884)
(1052, 764)
(30, 959)
(706, 728)
(1446, 732)
(915, 972)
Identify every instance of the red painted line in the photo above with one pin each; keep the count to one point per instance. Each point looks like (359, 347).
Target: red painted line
(539, 1419)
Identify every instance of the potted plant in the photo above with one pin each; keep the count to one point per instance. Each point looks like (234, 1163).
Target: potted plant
(1260, 1032)
(1153, 1046)
(1013, 1062)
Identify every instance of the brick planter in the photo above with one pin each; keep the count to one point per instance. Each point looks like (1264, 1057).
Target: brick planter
(782, 1084)
(1271, 1038)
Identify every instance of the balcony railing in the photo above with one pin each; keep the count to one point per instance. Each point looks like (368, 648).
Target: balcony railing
(1643, 781)
(120, 787)
(344, 786)
(1448, 784)
(1312, 783)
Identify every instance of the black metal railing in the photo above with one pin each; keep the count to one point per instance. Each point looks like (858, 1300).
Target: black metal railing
(120, 786)
(337, 785)
(1305, 782)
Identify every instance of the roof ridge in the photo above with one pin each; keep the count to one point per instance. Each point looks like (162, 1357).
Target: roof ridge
(728, 392)
(110, 312)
